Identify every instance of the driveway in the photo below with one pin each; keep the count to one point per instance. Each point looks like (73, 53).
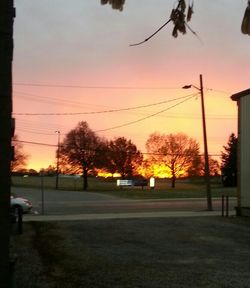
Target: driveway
(197, 252)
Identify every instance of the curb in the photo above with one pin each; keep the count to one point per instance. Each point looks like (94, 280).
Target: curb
(169, 214)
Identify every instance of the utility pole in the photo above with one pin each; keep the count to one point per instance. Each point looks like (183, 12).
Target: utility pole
(7, 14)
(57, 158)
(207, 173)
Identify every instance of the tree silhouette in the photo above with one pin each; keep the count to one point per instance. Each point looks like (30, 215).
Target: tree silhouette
(197, 169)
(229, 162)
(176, 151)
(122, 156)
(79, 150)
(20, 158)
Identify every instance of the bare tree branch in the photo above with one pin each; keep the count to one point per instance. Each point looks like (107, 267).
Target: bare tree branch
(194, 33)
(136, 44)
(178, 18)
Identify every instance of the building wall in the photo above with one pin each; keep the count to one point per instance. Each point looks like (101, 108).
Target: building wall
(244, 141)
(243, 102)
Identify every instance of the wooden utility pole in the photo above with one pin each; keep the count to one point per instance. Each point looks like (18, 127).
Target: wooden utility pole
(7, 14)
(207, 173)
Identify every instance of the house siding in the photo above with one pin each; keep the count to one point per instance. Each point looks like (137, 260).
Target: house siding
(243, 101)
(244, 137)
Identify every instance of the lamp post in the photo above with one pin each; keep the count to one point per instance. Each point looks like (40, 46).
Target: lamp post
(57, 157)
(207, 173)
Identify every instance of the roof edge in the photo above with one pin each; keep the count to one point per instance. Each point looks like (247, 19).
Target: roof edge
(237, 96)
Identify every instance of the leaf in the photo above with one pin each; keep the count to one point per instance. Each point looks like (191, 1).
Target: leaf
(245, 26)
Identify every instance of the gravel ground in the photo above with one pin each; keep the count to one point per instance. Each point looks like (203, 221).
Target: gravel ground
(129, 253)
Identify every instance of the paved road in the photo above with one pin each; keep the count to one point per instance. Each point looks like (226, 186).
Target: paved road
(78, 203)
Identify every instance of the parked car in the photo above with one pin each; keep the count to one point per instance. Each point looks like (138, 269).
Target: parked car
(19, 202)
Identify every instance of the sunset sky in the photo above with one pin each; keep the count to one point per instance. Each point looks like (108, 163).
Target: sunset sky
(74, 57)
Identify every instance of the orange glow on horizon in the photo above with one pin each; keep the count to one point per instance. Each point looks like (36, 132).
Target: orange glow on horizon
(155, 170)
(158, 171)
(104, 73)
(104, 174)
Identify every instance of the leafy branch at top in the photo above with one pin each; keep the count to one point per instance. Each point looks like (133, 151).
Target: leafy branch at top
(180, 16)
(245, 26)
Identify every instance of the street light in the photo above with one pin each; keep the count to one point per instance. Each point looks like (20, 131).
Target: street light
(57, 157)
(207, 173)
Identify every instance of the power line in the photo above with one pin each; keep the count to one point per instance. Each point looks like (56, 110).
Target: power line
(39, 133)
(104, 111)
(39, 125)
(149, 116)
(172, 115)
(109, 87)
(49, 99)
(211, 138)
(35, 143)
(97, 150)
(94, 87)
(219, 91)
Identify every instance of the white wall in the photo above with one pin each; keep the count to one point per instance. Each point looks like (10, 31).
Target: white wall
(244, 137)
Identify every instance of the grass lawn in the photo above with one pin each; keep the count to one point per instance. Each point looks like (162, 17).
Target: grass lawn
(183, 189)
